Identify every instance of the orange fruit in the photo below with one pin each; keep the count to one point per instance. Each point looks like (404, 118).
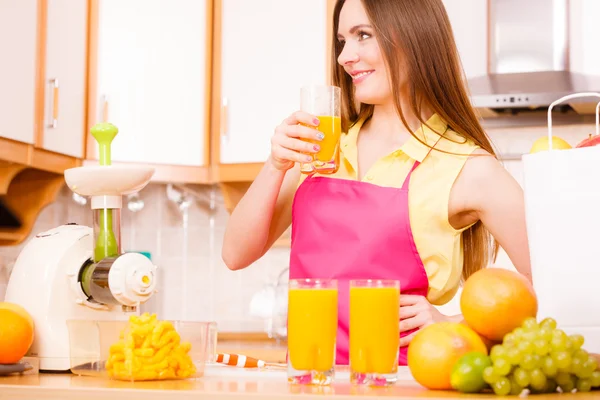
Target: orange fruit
(495, 301)
(18, 309)
(16, 336)
(488, 343)
(435, 349)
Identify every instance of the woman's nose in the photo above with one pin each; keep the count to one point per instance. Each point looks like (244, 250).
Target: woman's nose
(348, 55)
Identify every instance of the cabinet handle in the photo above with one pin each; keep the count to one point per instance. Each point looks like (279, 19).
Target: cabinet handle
(225, 119)
(54, 115)
(104, 114)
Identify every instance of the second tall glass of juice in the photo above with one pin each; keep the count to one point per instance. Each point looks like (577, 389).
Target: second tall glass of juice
(323, 102)
(312, 329)
(374, 331)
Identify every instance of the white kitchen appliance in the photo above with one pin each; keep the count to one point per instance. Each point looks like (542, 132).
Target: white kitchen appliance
(76, 272)
(562, 198)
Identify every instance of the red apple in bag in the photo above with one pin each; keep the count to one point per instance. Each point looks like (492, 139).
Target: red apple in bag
(592, 140)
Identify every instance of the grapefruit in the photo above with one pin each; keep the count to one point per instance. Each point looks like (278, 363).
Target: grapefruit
(488, 343)
(435, 349)
(18, 309)
(495, 301)
(542, 144)
(16, 336)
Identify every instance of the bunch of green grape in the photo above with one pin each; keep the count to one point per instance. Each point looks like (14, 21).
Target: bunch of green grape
(541, 359)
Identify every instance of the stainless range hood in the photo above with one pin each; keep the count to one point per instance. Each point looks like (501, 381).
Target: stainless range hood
(528, 58)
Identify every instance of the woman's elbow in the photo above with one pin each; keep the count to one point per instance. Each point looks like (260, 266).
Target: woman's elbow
(238, 255)
(234, 259)
(230, 259)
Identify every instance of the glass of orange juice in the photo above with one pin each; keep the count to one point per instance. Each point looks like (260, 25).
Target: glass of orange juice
(374, 331)
(311, 332)
(323, 102)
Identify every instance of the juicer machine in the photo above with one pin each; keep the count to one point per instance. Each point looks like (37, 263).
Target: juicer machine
(75, 272)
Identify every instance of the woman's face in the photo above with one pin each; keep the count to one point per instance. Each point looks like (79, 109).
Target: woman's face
(361, 57)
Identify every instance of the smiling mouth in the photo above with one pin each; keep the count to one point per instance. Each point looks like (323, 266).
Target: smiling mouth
(361, 76)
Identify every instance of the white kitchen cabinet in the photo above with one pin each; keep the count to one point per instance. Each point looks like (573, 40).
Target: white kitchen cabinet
(269, 49)
(18, 46)
(152, 79)
(65, 77)
(469, 22)
(583, 36)
(56, 47)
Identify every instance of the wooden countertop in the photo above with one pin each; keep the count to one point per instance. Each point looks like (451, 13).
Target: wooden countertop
(223, 383)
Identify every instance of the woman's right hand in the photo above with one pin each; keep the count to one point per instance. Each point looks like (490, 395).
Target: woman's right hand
(287, 146)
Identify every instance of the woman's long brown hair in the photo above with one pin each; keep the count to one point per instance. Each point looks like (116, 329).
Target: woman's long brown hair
(416, 40)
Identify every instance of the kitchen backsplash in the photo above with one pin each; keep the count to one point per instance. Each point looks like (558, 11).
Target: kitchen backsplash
(186, 245)
(194, 283)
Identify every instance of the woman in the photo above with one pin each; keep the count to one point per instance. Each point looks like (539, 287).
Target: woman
(418, 191)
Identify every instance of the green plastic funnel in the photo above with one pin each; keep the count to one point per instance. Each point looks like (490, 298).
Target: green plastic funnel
(106, 242)
(104, 133)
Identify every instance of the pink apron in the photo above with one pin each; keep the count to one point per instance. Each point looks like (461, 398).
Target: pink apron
(345, 229)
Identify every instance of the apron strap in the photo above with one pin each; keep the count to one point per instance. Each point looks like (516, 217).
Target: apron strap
(407, 179)
(416, 164)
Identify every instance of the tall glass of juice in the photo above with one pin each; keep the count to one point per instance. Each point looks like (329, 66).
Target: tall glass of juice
(374, 331)
(312, 329)
(323, 102)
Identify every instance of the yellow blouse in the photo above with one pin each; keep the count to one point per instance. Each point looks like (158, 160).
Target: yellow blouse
(438, 243)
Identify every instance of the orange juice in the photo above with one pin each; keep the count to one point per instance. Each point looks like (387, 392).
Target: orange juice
(331, 127)
(312, 328)
(374, 329)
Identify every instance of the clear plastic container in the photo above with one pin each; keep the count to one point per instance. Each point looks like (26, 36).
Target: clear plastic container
(211, 346)
(141, 349)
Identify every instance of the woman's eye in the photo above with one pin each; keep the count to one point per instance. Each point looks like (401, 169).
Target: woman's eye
(363, 35)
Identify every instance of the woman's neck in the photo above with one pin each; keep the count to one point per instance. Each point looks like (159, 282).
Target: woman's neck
(386, 121)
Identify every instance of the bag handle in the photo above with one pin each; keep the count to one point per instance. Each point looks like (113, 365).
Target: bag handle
(568, 97)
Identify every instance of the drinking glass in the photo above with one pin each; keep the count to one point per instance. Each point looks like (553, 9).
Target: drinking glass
(312, 329)
(323, 102)
(374, 331)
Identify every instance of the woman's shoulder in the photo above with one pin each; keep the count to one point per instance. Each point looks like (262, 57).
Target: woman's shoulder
(462, 158)
(457, 145)
(462, 146)
(472, 160)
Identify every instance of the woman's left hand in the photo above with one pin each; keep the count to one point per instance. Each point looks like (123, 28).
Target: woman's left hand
(416, 312)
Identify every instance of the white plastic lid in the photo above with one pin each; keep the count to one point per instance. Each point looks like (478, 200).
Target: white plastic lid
(111, 202)
(132, 279)
(108, 180)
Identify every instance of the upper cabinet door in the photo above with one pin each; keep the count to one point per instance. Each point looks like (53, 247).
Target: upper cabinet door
(469, 19)
(269, 50)
(65, 83)
(18, 46)
(151, 79)
(583, 34)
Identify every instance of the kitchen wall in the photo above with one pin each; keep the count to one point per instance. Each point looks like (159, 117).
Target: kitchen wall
(194, 282)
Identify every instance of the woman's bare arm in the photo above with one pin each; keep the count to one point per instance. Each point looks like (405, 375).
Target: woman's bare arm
(261, 216)
(265, 210)
(485, 191)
